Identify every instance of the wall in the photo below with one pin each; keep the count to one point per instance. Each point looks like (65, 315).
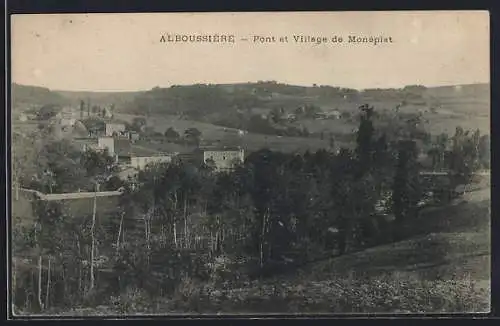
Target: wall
(224, 159)
(140, 162)
(107, 142)
(114, 127)
(86, 145)
(67, 122)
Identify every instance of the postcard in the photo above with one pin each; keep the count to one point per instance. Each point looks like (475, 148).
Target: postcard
(250, 163)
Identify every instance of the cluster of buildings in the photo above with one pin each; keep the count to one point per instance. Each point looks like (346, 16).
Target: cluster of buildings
(68, 115)
(119, 143)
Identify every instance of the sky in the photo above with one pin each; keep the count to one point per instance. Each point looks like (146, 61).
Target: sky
(123, 52)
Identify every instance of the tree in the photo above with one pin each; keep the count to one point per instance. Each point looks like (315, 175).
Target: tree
(332, 143)
(465, 153)
(47, 112)
(26, 162)
(276, 115)
(94, 124)
(346, 115)
(192, 135)
(364, 137)
(113, 183)
(138, 124)
(170, 133)
(63, 171)
(98, 164)
(310, 111)
(441, 146)
(406, 186)
(485, 151)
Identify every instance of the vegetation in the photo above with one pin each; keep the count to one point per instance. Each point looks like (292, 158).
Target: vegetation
(57, 166)
(181, 232)
(28, 97)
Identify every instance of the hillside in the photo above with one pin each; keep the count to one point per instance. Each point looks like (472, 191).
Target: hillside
(119, 99)
(444, 107)
(232, 105)
(443, 266)
(25, 97)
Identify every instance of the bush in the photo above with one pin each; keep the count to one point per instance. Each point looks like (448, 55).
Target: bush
(132, 300)
(188, 294)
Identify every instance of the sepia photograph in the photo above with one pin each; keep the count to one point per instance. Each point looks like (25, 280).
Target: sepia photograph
(250, 163)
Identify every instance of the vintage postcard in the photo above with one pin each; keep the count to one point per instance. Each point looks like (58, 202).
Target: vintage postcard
(250, 163)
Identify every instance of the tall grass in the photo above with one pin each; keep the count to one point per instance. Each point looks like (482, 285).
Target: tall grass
(392, 293)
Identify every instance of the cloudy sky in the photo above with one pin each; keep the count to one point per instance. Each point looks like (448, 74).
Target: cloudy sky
(120, 52)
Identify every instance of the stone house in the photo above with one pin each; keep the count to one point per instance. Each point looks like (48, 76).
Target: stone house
(114, 129)
(223, 159)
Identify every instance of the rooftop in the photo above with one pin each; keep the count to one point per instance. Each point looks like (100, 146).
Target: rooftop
(220, 148)
(142, 153)
(114, 123)
(86, 140)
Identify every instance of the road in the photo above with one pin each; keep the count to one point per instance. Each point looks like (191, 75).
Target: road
(72, 195)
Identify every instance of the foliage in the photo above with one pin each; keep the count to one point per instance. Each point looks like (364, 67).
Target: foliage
(170, 133)
(94, 124)
(192, 136)
(181, 227)
(47, 112)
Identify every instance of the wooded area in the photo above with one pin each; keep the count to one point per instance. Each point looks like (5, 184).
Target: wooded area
(181, 224)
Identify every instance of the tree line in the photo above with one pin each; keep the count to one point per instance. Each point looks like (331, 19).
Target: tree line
(181, 220)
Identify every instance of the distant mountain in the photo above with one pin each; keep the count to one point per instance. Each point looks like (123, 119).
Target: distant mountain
(199, 101)
(472, 91)
(25, 97)
(119, 99)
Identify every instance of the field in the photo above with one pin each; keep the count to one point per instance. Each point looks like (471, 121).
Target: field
(226, 136)
(467, 106)
(161, 123)
(440, 264)
(22, 211)
(443, 266)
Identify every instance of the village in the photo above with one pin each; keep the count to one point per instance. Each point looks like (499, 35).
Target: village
(127, 145)
(156, 177)
(116, 140)
(195, 226)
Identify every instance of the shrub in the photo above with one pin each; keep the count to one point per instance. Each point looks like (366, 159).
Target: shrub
(188, 294)
(131, 300)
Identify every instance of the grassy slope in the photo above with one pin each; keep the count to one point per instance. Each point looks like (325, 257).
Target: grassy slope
(443, 266)
(446, 258)
(212, 132)
(24, 97)
(468, 107)
(119, 99)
